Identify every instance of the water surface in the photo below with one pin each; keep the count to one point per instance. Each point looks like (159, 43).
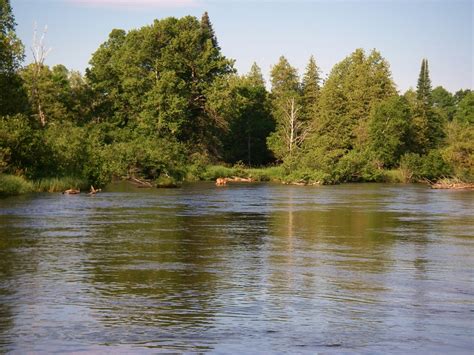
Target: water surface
(244, 268)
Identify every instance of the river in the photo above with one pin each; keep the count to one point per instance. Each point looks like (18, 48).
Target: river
(239, 269)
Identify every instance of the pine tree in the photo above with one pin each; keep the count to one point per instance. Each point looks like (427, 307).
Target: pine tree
(255, 76)
(311, 90)
(424, 84)
(291, 130)
(284, 78)
(208, 31)
(427, 124)
(354, 87)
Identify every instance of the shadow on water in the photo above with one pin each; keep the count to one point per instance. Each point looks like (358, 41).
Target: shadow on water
(262, 267)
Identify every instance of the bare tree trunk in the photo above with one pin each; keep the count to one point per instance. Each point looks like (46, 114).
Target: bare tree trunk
(296, 130)
(248, 150)
(39, 55)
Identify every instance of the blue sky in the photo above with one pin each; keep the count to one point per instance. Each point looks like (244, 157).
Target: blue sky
(403, 31)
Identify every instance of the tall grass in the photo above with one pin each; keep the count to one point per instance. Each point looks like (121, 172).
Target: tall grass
(59, 184)
(14, 185)
(395, 176)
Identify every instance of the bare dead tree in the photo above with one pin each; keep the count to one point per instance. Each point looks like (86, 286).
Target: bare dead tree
(296, 130)
(40, 53)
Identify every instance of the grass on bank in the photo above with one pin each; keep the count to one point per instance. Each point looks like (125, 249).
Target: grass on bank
(59, 184)
(395, 176)
(14, 185)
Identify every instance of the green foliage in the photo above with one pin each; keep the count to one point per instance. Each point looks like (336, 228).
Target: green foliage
(465, 109)
(423, 88)
(356, 166)
(20, 145)
(162, 103)
(275, 173)
(434, 166)
(208, 31)
(308, 176)
(14, 185)
(141, 157)
(164, 181)
(59, 184)
(459, 149)
(242, 102)
(354, 88)
(12, 96)
(427, 123)
(66, 150)
(155, 78)
(426, 167)
(389, 127)
(444, 102)
(286, 110)
(212, 172)
(61, 94)
(459, 95)
(393, 176)
(311, 89)
(410, 164)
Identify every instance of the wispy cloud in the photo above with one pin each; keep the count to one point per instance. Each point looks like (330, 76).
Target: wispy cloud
(135, 3)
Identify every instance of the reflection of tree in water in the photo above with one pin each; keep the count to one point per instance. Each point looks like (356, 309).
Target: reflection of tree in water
(332, 257)
(19, 260)
(9, 271)
(163, 273)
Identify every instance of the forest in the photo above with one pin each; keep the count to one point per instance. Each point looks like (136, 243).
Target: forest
(163, 104)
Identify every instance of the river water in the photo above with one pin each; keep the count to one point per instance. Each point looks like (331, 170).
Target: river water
(240, 269)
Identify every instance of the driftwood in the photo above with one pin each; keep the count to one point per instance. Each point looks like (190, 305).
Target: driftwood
(140, 183)
(94, 191)
(452, 186)
(301, 183)
(240, 179)
(72, 192)
(224, 181)
(221, 182)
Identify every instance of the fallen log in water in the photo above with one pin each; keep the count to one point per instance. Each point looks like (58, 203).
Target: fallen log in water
(140, 183)
(240, 179)
(72, 192)
(224, 181)
(452, 186)
(301, 183)
(94, 191)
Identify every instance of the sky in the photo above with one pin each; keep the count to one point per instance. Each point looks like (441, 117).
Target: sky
(404, 31)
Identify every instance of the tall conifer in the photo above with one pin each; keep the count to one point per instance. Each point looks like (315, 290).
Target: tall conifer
(427, 124)
(208, 31)
(424, 84)
(311, 89)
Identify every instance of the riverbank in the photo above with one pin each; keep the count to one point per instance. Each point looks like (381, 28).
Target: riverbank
(452, 184)
(16, 185)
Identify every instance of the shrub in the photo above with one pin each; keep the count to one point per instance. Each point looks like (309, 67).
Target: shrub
(14, 185)
(356, 166)
(414, 167)
(410, 164)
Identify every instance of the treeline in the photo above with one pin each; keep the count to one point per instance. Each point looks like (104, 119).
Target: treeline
(163, 102)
